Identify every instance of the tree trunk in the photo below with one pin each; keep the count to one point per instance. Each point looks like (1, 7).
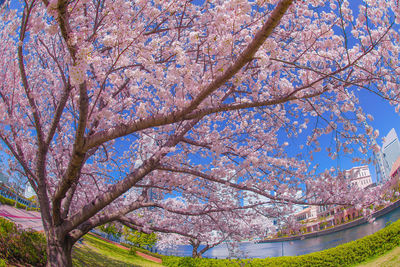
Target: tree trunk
(198, 255)
(195, 253)
(59, 252)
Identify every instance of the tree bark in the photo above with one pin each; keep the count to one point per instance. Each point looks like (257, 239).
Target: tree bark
(59, 252)
(195, 252)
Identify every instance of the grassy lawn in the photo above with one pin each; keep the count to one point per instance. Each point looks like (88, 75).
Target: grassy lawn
(390, 259)
(96, 252)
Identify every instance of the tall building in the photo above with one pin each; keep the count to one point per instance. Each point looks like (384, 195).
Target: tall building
(227, 191)
(379, 164)
(3, 178)
(386, 157)
(395, 172)
(390, 149)
(144, 154)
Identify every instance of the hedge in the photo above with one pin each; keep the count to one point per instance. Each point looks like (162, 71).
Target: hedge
(21, 206)
(21, 247)
(11, 202)
(343, 255)
(7, 201)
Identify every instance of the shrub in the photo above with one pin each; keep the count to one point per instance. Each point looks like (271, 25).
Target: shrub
(11, 202)
(139, 239)
(6, 201)
(343, 255)
(18, 246)
(21, 206)
(132, 251)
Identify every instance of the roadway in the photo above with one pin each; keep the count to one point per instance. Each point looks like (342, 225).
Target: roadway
(26, 219)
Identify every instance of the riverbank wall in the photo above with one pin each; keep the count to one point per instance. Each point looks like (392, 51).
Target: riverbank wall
(338, 228)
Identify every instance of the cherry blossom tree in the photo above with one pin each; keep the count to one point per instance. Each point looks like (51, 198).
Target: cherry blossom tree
(223, 89)
(209, 228)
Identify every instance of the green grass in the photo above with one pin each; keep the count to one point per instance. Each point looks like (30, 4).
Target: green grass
(96, 252)
(389, 259)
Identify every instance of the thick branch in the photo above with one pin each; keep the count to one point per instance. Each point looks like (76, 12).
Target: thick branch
(58, 113)
(78, 156)
(104, 218)
(24, 78)
(131, 223)
(196, 173)
(78, 153)
(124, 185)
(246, 56)
(158, 120)
(247, 105)
(42, 151)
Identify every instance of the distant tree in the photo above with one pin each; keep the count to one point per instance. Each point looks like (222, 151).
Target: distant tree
(233, 95)
(111, 230)
(139, 239)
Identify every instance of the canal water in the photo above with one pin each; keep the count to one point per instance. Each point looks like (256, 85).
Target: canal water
(295, 247)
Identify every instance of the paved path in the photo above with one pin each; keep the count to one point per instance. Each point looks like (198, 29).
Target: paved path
(148, 257)
(27, 219)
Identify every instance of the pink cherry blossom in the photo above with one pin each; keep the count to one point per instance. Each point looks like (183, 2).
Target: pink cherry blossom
(182, 118)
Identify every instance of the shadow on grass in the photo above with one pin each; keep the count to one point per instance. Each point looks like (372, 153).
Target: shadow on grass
(97, 252)
(84, 256)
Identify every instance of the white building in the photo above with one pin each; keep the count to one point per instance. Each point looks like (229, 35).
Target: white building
(359, 176)
(307, 213)
(29, 192)
(314, 218)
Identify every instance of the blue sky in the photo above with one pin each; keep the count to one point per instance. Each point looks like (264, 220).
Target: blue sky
(384, 114)
(385, 118)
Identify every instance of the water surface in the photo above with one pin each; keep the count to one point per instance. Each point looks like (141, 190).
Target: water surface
(295, 247)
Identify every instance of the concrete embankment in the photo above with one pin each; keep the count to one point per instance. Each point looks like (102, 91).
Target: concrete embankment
(337, 228)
